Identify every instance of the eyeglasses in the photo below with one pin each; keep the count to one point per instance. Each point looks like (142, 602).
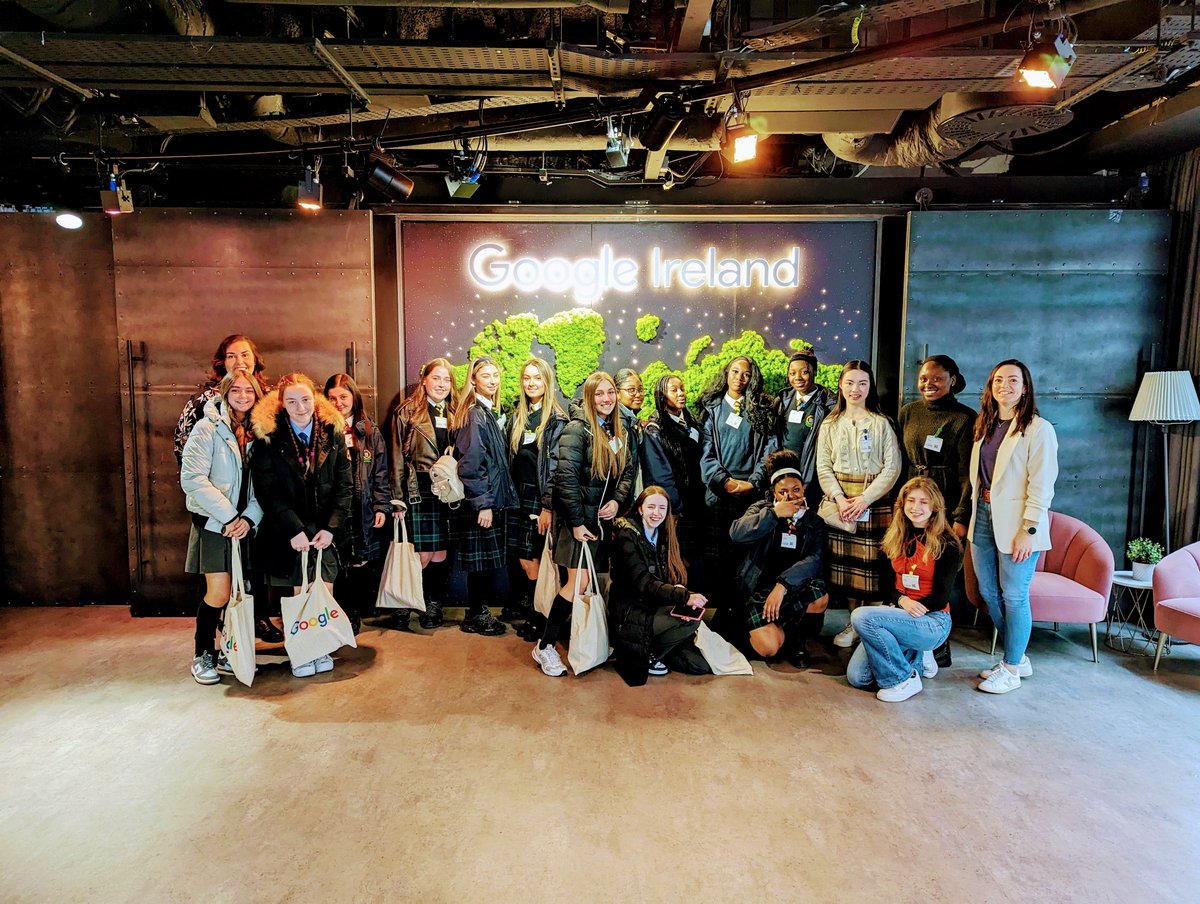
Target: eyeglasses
(633, 391)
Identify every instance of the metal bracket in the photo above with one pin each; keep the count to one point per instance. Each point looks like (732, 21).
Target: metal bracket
(322, 53)
(554, 60)
(1138, 62)
(52, 77)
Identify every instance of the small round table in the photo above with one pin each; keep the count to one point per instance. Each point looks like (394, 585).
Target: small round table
(1128, 632)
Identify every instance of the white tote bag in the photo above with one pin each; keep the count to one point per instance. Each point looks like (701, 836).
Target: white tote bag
(401, 587)
(314, 625)
(237, 634)
(722, 656)
(546, 588)
(589, 622)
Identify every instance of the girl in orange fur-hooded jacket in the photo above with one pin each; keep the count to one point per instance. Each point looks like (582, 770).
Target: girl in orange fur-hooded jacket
(302, 478)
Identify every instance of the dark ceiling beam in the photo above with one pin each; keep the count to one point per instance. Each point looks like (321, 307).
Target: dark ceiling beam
(43, 73)
(691, 29)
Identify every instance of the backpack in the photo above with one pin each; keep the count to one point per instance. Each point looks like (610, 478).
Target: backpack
(447, 486)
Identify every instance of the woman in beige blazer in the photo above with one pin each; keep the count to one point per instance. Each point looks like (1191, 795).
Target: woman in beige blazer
(1014, 463)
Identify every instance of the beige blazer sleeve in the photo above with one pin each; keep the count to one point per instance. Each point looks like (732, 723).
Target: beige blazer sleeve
(1022, 485)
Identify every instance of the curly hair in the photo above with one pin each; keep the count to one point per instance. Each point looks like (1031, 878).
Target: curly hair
(759, 411)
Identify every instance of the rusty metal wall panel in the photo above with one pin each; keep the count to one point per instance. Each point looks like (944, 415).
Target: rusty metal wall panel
(1079, 296)
(301, 286)
(63, 530)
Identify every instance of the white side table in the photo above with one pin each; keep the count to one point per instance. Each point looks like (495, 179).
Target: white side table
(1128, 632)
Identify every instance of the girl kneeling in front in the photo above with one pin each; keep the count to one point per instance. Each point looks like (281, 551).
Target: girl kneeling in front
(648, 589)
(781, 576)
(898, 643)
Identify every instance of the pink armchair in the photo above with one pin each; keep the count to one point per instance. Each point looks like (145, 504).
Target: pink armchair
(1177, 597)
(1072, 582)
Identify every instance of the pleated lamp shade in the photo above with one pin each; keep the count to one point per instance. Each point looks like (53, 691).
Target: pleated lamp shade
(1166, 396)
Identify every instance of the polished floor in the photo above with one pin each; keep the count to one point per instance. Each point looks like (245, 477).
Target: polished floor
(445, 767)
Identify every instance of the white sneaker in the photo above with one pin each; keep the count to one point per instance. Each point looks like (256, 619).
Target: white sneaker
(324, 664)
(902, 691)
(846, 638)
(203, 671)
(929, 666)
(549, 660)
(305, 669)
(658, 668)
(1024, 669)
(223, 666)
(1000, 681)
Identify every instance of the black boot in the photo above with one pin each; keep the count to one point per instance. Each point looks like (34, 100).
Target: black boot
(795, 646)
(396, 619)
(432, 616)
(480, 620)
(942, 655)
(434, 581)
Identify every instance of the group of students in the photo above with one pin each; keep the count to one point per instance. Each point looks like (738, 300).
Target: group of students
(763, 507)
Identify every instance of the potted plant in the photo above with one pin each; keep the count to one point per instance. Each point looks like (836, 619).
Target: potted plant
(1144, 554)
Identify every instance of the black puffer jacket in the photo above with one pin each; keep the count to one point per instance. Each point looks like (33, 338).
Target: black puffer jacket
(578, 494)
(638, 588)
(292, 501)
(756, 529)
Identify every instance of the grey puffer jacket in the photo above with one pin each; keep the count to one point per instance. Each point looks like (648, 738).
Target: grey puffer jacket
(212, 468)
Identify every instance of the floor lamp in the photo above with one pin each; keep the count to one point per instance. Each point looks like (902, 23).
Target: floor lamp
(1166, 398)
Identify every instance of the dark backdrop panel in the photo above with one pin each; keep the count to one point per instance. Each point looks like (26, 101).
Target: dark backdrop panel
(1076, 295)
(62, 498)
(299, 285)
(833, 308)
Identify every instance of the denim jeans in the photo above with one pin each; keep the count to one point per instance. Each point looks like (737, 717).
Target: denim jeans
(1004, 586)
(892, 643)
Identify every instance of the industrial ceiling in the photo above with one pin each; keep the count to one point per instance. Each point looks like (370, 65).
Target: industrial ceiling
(151, 91)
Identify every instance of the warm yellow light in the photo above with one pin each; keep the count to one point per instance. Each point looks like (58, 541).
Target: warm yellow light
(1037, 78)
(745, 147)
(310, 205)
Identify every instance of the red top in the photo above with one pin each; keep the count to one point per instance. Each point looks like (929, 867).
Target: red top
(916, 564)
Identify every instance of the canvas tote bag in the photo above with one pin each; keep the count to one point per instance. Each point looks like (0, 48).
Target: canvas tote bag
(314, 625)
(722, 656)
(401, 586)
(589, 621)
(237, 634)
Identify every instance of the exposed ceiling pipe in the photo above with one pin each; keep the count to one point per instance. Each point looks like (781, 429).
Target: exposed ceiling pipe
(616, 7)
(190, 18)
(916, 142)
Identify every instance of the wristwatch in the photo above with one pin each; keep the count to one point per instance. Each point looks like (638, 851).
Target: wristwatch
(1032, 529)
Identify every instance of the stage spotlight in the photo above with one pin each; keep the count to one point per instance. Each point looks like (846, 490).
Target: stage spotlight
(116, 199)
(1047, 62)
(463, 179)
(665, 115)
(387, 180)
(741, 142)
(68, 220)
(309, 191)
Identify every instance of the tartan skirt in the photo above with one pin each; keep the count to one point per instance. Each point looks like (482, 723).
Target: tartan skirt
(855, 561)
(479, 549)
(428, 521)
(721, 554)
(524, 541)
(795, 604)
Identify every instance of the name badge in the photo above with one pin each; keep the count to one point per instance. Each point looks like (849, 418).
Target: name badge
(615, 444)
(933, 443)
(911, 581)
(795, 416)
(528, 437)
(865, 516)
(734, 421)
(694, 434)
(788, 541)
(439, 423)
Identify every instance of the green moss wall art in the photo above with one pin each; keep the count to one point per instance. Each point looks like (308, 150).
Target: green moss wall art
(647, 327)
(577, 338)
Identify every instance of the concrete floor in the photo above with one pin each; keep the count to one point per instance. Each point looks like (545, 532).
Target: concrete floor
(447, 768)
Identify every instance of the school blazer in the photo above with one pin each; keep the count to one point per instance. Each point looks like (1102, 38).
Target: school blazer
(1022, 485)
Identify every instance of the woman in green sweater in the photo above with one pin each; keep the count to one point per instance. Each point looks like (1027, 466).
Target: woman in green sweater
(935, 439)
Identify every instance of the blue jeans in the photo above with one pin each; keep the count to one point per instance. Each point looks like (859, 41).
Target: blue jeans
(1004, 586)
(892, 643)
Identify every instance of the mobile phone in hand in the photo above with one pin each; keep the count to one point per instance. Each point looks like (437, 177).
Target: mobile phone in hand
(687, 613)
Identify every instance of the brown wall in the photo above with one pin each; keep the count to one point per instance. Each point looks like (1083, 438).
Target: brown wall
(62, 500)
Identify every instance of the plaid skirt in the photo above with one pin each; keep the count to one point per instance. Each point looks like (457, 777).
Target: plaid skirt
(721, 555)
(428, 521)
(524, 541)
(795, 604)
(478, 549)
(857, 567)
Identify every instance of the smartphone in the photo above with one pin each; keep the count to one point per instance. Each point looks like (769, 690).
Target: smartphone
(687, 613)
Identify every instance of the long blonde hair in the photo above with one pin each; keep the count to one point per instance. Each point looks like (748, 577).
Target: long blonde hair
(550, 405)
(937, 534)
(470, 395)
(605, 462)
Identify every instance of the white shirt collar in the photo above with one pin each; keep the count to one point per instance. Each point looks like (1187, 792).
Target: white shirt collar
(484, 401)
(731, 401)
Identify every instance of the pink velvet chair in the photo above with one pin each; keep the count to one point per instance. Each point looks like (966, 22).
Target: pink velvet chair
(1177, 597)
(1073, 580)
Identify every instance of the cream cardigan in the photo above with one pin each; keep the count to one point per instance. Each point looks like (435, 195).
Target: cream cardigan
(838, 449)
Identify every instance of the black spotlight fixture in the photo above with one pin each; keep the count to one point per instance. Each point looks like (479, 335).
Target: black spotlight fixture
(387, 180)
(666, 113)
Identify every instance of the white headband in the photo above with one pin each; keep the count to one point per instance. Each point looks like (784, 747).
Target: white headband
(784, 472)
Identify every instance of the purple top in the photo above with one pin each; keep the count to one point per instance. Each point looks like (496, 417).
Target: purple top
(987, 454)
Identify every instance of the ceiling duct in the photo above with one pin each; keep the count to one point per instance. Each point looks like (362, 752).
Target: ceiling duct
(950, 128)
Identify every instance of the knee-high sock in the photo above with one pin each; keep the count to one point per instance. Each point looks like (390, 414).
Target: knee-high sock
(434, 579)
(208, 618)
(559, 613)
